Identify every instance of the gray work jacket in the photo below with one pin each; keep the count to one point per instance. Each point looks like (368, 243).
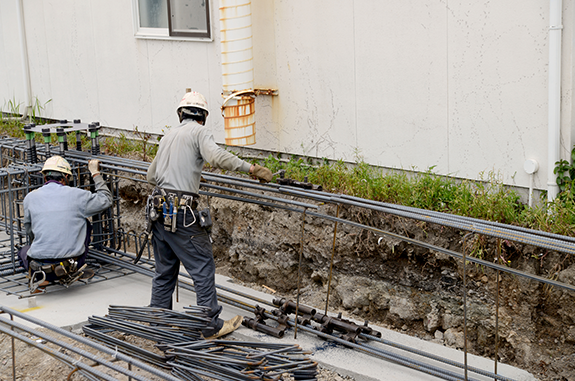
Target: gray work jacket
(182, 154)
(55, 217)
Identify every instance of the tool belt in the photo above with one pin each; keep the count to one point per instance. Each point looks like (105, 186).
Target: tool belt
(60, 269)
(179, 199)
(166, 202)
(66, 271)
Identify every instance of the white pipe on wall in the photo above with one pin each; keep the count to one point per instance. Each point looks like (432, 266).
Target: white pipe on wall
(237, 72)
(554, 127)
(237, 45)
(531, 166)
(25, 63)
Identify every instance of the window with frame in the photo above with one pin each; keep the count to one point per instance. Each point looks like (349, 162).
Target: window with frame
(173, 18)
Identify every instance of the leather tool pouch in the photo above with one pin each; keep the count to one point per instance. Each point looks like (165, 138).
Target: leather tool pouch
(37, 266)
(152, 207)
(60, 271)
(205, 219)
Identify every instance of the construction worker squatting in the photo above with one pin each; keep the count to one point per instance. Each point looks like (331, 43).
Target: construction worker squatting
(55, 220)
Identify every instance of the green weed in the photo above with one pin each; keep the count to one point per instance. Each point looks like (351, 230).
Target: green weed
(487, 199)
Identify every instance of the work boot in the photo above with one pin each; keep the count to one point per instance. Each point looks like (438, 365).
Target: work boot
(228, 327)
(41, 288)
(87, 274)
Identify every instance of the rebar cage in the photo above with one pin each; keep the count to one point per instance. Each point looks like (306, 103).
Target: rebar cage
(112, 252)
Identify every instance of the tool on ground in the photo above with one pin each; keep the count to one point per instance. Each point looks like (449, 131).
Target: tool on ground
(347, 329)
(261, 327)
(298, 184)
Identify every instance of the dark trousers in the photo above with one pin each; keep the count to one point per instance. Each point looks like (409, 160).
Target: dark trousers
(192, 247)
(25, 260)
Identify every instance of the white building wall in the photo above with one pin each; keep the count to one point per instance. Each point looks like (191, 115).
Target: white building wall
(458, 85)
(11, 74)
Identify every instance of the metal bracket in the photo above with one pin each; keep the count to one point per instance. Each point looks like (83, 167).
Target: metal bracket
(272, 92)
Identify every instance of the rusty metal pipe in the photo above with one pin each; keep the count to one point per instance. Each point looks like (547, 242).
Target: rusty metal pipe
(288, 307)
(331, 261)
(465, 306)
(13, 353)
(497, 308)
(299, 271)
(255, 325)
(337, 324)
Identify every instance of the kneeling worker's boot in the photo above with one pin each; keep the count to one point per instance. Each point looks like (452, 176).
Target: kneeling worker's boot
(228, 327)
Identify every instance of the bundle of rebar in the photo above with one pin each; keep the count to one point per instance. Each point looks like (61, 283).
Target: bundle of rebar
(240, 360)
(178, 334)
(156, 325)
(81, 363)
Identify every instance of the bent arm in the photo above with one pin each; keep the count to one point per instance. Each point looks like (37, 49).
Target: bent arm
(99, 201)
(219, 157)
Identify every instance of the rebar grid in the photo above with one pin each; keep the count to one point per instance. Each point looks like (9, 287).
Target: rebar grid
(21, 176)
(78, 340)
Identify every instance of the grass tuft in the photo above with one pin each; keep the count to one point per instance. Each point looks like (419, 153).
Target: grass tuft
(487, 199)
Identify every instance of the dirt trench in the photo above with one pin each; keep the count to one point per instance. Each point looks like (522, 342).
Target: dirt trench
(389, 282)
(399, 285)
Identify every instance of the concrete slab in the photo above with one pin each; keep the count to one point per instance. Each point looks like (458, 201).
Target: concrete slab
(73, 306)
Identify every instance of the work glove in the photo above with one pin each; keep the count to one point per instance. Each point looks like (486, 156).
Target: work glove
(94, 167)
(262, 173)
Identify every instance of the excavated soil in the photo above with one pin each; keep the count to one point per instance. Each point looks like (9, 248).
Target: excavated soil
(392, 283)
(402, 286)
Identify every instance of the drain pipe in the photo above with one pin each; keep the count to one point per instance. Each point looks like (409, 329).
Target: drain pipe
(531, 166)
(25, 63)
(238, 108)
(554, 128)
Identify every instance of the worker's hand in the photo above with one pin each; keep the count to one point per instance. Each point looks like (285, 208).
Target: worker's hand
(94, 167)
(262, 173)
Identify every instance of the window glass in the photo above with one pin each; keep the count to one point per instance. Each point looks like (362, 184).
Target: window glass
(153, 13)
(172, 18)
(189, 18)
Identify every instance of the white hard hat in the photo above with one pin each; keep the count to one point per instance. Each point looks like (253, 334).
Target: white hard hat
(193, 99)
(58, 164)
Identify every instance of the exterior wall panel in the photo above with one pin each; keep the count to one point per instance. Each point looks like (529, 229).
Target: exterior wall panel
(498, 87)
(11, 73)
(460, 86)
(402, 94)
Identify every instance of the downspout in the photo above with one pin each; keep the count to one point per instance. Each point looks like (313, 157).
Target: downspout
(554, 128)
(25, 63)
(238, 108)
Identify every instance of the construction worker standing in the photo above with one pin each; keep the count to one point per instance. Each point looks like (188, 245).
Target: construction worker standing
(55, 219)
(177, 234)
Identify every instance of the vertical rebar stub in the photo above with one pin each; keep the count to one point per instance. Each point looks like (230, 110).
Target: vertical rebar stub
(62, 140)
(47, 139)
(93, 130)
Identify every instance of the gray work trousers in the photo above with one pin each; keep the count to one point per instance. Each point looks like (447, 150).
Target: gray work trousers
(192, 247)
